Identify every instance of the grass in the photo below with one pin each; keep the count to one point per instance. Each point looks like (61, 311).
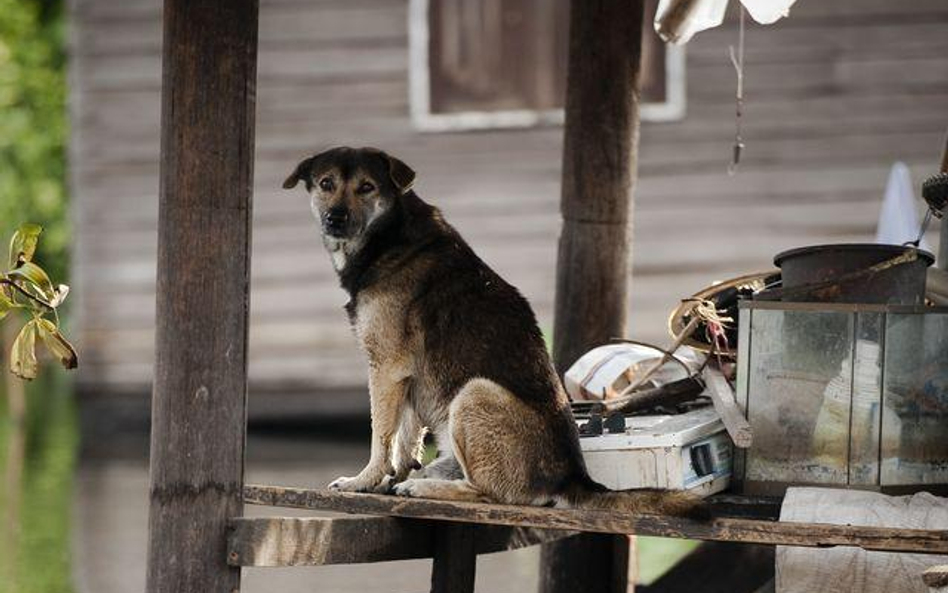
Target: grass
(36, 555)
(658, 554)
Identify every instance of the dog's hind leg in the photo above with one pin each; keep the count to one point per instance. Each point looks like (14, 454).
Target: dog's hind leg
(508, 449)
(454, 490)
(485, 434)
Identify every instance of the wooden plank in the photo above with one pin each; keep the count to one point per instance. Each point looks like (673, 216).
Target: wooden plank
(760, 186)
(722, 396)
(307, 25)
(936, 577)
(318, 541)
(118, 71)
(455, 559)
(199, 404)
(754, 531)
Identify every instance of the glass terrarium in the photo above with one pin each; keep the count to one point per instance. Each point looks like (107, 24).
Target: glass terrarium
(843, 395)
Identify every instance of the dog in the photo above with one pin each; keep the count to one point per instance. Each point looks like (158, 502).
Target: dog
(452, 349)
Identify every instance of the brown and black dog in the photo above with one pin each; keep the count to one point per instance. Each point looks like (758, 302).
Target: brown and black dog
(452, 349)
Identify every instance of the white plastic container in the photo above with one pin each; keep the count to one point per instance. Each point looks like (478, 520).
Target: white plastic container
(689, 451)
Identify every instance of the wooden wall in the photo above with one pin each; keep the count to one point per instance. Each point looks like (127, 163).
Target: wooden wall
(834, 95)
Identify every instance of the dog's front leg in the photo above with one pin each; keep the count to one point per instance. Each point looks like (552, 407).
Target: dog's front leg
(409, 446)
(387, 395)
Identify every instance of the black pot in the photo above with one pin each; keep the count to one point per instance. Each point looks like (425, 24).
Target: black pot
(902, 284)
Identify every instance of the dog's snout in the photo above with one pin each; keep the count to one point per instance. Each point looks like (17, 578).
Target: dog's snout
(337, 215)
(335, 219)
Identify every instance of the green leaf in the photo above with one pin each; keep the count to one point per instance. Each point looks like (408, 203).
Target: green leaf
(5, 305)
(23, 356)
(36, 278)
(23, 244)
(57, 344)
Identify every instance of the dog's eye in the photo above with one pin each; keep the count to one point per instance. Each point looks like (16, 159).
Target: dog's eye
(325, 184)
(365, 188)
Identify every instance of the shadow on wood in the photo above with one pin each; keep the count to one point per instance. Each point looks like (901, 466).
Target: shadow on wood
(718, 567)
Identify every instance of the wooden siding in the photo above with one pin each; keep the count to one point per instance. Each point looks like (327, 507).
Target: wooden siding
(834, 95)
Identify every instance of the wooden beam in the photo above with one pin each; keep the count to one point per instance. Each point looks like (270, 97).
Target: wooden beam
(318, 541)
(200, 382)
(754, 531)
(594, 264)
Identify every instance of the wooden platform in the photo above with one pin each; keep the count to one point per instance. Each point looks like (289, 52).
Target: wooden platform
(294, 541)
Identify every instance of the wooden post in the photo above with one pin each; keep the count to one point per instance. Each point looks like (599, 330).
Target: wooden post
(455, 558)
(199, 399)
(594, 265)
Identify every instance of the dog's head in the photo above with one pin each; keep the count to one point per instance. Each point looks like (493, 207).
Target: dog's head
(351, 188)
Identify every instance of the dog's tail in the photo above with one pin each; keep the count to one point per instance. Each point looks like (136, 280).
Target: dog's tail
(589, 494)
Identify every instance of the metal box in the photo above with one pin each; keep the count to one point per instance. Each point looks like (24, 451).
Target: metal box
(843, 395)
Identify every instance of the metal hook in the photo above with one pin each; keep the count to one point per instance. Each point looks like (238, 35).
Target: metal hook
(738, 62)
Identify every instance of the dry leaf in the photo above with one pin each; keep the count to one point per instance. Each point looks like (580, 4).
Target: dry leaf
(23, 356)
(57, 344)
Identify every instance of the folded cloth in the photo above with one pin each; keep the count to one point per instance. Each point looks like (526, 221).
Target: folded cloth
(847, 569)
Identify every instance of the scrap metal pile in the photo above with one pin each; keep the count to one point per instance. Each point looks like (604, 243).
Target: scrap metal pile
(831, 370)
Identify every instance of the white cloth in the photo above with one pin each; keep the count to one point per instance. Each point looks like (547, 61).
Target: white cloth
(898, 218)
(707, 14)
(848, 569)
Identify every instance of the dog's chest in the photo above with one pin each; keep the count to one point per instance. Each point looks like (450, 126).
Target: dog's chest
(379, 324)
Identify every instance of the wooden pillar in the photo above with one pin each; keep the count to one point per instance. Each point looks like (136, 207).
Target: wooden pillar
(594, 265)
(199, 398)
(455, 558)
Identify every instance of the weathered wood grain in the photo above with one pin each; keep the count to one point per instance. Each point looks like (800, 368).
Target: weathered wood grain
(199, 403)
(318, 541)
(756, 531)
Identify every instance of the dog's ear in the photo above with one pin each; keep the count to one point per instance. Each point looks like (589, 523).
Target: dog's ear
(300, 172)
(402, 176)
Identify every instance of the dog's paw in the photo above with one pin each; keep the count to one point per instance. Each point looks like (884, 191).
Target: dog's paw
(388, 484)
(354, 484)
(406, 488)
